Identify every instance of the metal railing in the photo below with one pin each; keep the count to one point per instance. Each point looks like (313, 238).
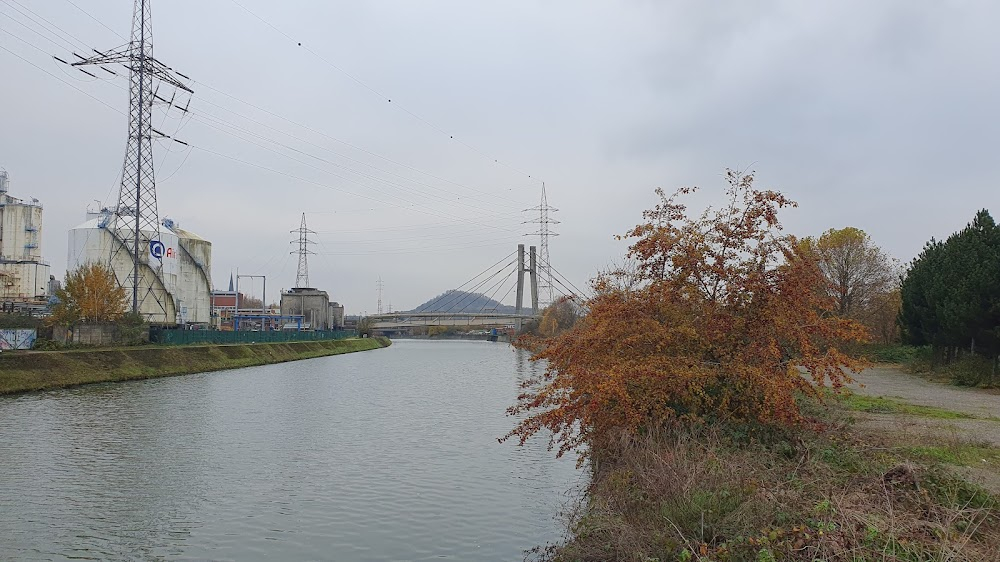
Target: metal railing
(193, 337)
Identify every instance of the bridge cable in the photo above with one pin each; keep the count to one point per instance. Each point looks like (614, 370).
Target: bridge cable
(505, 295)
(472, 292)
(450, 291)
(576, 290)
(451, 294)
(498, 286)
(493, 288)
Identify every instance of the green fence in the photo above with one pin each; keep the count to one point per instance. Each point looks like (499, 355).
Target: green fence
(189, 337)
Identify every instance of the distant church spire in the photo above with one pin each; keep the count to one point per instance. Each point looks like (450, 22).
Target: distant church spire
(231, 289)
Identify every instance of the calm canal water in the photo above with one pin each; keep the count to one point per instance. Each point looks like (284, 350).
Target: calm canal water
(383, 455)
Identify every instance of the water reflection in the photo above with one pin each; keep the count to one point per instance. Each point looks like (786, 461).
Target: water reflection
(383, 455)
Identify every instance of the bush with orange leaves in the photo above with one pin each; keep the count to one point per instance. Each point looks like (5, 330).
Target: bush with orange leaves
(716, 319)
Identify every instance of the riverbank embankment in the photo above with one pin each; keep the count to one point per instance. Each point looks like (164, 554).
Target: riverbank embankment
(29, 371)
(874, 477)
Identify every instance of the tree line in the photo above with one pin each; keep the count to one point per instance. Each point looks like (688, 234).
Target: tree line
(951, 294)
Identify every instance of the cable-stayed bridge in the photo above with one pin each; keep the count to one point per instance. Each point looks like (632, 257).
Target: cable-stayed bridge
(465, 306)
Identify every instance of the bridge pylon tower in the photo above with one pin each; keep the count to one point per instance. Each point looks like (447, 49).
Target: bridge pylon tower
(532, 270)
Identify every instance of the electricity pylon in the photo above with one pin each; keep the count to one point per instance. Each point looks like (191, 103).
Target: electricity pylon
(545, 284)
(136, 220)
(302, 276)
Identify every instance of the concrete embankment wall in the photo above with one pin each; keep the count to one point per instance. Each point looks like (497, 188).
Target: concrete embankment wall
(27, 371)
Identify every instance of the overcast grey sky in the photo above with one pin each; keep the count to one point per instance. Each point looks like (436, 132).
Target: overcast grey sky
(878, 115)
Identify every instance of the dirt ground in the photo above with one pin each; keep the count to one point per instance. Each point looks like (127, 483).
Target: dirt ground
(894, 383)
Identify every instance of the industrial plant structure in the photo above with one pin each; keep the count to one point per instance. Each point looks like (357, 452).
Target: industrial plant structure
(315, 308)
(313, 305)
(175, 266)
(23, 274)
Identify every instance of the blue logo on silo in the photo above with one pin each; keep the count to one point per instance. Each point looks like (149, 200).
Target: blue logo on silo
(157, 249)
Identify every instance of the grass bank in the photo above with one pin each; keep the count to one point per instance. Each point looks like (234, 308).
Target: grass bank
(746, 493)
(27, 371)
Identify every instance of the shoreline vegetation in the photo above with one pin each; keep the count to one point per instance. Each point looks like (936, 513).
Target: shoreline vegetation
(681, 389)
(45, 370)
(745, 492)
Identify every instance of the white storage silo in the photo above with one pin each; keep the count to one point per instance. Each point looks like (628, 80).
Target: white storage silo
(175, 278)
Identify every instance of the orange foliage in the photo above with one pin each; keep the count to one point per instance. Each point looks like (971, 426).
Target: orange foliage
(713, 321)
(90, 293)
(559, 316)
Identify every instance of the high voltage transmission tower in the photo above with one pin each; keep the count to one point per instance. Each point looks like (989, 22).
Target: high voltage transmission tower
(545, 284)
(378, 284)
(302, 276)
(136, 219)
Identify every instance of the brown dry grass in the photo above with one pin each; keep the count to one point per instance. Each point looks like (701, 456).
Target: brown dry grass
(733, 494)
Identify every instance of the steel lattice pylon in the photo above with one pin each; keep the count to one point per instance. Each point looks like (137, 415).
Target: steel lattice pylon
(136, 222)
(378, 286)
(545, 284)
(302, 276)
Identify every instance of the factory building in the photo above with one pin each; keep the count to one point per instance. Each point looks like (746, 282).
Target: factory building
(317, 312)
(179, 277)
(336, 316)
(23, 273)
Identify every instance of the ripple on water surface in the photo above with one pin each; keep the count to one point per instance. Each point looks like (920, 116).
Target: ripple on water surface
(384, 455)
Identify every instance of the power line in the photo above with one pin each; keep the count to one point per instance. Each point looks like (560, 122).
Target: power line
(104, 25)
(82, 91)
(428, 226)
(61, 33)
(378, 93)
(413, 207)
(244, 131)
(306, 127)
(215, 123)
(404, 251)
(217, 119)
(193, 147)
(422, 240)
(335, 139)
(36, 32)
(253, 164)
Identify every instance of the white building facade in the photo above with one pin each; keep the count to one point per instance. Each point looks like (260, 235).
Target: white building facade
(24, 275)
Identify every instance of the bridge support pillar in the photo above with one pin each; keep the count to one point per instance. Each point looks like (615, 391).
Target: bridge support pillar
(533, 271)
(518, 304)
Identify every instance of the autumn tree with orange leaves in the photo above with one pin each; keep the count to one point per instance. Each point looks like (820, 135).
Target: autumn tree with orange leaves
(713, 322)
(90, 293)
(558, 317)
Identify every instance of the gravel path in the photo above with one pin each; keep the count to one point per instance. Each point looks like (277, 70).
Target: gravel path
(891, 382)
